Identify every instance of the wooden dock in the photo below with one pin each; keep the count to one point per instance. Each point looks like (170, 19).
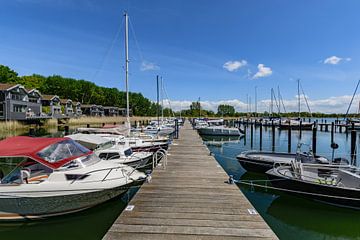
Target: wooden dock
(189, 200)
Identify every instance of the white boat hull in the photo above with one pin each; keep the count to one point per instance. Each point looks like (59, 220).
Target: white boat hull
(216, 131)
(20, 208)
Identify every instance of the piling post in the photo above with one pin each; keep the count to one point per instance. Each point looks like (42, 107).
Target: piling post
(176, 129)
(66, 130)
(289, 138)
(103, 124)
(332, 132)
(353, 147)
(326, 127)
(31, 132)
(251, 135)
(87, 125)
(261, 136)
(245, 133)
(321, 127)
(314, 131)
(300, 129)
(273, 135)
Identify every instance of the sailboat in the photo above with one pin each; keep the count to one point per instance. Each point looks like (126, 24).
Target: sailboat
(123, 133)
(296, 124)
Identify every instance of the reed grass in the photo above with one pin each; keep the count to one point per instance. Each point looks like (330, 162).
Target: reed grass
(6, 126)
(106, 120)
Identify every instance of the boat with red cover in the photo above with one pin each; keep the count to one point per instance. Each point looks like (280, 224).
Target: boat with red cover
(42, 177)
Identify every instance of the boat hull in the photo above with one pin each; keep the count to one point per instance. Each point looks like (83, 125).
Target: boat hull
(22, 208)
(220, 131)
(343, 197)
(150, 148)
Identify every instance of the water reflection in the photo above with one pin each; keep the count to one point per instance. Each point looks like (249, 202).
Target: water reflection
(291, 217)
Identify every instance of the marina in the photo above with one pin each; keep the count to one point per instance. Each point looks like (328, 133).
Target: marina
(161, 119)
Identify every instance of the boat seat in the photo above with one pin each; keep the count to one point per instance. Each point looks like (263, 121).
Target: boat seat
(38, 179)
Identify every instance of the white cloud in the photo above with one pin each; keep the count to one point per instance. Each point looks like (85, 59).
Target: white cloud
(148, 66)
(337, 104)
(262, 71)
(334, 60)
(232, 66)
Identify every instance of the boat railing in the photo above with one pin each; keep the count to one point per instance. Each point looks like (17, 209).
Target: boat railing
(160, 154)
(107, 170)
(133, 158)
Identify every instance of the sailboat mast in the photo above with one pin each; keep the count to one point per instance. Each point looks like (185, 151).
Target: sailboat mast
(255, 101)
(157, 98)
(127, 67)
(299, 97)
(162, 99)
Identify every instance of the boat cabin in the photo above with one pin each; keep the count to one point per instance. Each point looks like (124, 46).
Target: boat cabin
(32, 160)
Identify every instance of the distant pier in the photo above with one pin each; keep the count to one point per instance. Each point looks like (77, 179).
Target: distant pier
(189, 200)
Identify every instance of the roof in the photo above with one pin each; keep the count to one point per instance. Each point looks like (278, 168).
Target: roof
(6, 86)
(22, 146)
(49, 97)
(64, 101)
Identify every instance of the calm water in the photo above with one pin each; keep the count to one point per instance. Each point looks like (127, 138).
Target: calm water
(291, 217)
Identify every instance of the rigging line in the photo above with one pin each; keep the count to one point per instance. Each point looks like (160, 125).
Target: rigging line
(136, 41)
(108, 51)
(281, 98)
(306, 101)
(276, 101)
(167, 98)
(347, 112)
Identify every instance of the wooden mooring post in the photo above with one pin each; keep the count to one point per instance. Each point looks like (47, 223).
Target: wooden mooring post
(273, 135)
(251, 135)
(289, 138)
(314, 131)
(332, 132)
(353, 146)
(261, 133)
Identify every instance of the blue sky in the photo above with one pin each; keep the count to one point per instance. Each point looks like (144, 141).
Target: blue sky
(216, 50)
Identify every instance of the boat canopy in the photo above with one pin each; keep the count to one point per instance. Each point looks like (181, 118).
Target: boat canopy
(91, 141)
(51, 152)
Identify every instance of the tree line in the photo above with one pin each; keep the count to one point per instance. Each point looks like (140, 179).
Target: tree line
(82, 91)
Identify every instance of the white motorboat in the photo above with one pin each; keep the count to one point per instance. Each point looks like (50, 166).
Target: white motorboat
(124, 155)
(42, 177)
(137, 144)
(216, 128)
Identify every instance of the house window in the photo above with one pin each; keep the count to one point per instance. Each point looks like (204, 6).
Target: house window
(16, 97)
(19, 108)
(33, 100)
(2, 96)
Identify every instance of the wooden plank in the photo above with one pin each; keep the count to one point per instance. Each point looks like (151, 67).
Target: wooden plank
(189, 200)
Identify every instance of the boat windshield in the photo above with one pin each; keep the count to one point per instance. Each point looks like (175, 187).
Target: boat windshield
(62, 150)
(20, 170)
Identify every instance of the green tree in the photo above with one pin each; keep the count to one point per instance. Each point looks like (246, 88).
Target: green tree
(7, 75)
(226, 110)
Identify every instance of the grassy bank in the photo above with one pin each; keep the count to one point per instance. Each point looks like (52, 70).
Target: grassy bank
(106, 120)
(6, 126)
